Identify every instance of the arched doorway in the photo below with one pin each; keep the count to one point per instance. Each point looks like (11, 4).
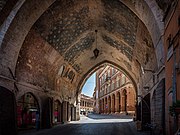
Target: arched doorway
(27, 111)
(7, 112)
(57, 112)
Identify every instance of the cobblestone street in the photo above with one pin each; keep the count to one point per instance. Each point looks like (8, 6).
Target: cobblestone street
(93, 125)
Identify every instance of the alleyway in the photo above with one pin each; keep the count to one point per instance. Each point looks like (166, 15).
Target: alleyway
(93, 125)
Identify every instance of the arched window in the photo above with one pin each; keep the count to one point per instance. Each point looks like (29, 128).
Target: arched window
(123, 79)
(109, 75)
(117, 82)
(112, 85)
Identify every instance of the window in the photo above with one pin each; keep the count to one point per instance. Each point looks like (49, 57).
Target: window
(108, 88)
(117, 82)
(108, 73)
(112, 86)
(105, 89)
(113, 71)
(123, 79)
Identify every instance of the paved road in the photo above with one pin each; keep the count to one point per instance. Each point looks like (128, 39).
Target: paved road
(93, 125)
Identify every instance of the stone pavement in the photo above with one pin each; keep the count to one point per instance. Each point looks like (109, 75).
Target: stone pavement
(94, 124)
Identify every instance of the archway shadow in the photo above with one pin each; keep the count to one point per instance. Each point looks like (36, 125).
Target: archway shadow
(109, 116)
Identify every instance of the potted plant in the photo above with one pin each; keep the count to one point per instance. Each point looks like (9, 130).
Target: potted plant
(175, 108)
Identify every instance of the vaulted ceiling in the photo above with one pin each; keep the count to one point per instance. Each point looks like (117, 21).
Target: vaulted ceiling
(65, 35)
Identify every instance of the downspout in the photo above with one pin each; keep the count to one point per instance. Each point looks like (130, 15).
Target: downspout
(174, 76)
(174, 86)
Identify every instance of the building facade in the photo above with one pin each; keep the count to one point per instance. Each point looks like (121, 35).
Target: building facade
(86, 104)
(116, 92)
(172, 64)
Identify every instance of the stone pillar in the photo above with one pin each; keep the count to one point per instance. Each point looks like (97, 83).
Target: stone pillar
(78, 111)
(109, 105)
(64, 118)
(106, 105)
(122, 103)
(117, 104)
(68, 112)
(46, 113)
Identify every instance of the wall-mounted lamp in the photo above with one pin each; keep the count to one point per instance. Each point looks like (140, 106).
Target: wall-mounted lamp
(96, 51)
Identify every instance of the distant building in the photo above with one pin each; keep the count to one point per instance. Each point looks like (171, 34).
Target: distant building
(114, 92)
(86, 104)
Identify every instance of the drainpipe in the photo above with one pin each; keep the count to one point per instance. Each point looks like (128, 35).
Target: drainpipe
(174, 77)
(174, 87)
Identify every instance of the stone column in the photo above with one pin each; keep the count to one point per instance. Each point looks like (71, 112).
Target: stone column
(68, 112)
(64, 119)
(106, 106)
(78, 111)
(109, 109)
(122, 103)
(102, 105)
(116, 104)
(46, 113)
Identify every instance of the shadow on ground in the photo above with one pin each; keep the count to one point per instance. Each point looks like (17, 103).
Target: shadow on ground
(109, 116)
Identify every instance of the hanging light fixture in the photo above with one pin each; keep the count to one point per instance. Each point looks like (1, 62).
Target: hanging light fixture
(96, 51)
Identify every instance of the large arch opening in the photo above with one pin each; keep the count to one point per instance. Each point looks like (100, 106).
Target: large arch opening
(114, 92)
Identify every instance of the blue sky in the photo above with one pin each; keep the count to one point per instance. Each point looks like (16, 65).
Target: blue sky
(89, 86)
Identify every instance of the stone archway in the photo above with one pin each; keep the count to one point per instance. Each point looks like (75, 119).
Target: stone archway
(7, 112)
